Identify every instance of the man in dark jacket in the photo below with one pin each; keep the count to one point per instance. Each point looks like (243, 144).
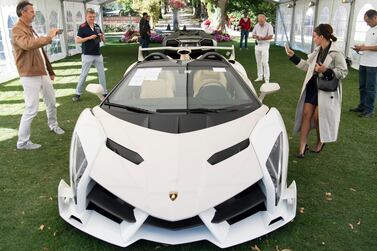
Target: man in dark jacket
(145, 31)
(90, 35)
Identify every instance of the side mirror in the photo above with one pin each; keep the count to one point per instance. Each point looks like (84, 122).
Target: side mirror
(95, 89)
(268, 88)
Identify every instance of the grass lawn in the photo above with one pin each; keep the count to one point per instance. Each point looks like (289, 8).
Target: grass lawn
(29, 218)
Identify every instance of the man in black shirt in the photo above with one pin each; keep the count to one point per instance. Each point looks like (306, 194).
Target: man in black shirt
(89, 36)
(145, 31)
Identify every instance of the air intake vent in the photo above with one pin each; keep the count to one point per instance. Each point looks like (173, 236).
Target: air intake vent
(241, 206)
(126, 153)
(107, 204)
(229, 152)
(175, 225)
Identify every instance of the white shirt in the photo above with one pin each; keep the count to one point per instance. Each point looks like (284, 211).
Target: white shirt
(262, 31)
(369, 58)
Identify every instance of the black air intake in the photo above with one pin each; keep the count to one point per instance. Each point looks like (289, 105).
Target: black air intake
(229, 152)
(126, 153)
(107, 204)
(175, 225)
(241, 206)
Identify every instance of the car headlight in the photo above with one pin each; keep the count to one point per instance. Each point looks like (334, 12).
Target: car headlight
(274, 165)
(79, 164)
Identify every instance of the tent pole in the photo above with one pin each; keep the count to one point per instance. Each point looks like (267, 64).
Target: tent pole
(349, 29)
(293, 23)
(284, 27)
(315, 19)
(65, 34)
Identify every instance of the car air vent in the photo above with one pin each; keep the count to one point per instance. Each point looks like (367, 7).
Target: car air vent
(75, 218)
(275, 220)
(175, 225)
(241, 206)
(126, 153)
(229, 152)
(107, 204)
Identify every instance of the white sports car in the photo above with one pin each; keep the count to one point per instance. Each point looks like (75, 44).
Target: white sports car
(179, 151)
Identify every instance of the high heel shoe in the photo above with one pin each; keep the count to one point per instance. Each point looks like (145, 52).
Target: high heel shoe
(322, 146)
(302, 155)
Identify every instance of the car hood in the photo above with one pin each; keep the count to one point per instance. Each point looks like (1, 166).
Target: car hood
(176, 163)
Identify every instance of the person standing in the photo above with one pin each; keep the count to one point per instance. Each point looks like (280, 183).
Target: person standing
(36, 73)
(90, 36)
(262, 33)
(316, 107)
(245, 26)
(368, 68)
(145, 30)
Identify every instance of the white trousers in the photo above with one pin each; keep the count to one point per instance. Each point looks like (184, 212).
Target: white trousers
(32, 86)
(261, 56)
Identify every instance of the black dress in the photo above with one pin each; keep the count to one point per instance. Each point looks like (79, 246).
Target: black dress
(311, 94)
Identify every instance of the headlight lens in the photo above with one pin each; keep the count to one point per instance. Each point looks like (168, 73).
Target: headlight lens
(274, 165)
(79, 164)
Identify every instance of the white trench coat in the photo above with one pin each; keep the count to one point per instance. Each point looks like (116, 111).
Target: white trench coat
(329, 103)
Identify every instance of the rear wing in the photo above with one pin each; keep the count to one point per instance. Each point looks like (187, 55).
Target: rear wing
(232, 55)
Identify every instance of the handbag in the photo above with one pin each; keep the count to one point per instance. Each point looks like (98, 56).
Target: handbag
(327, 84)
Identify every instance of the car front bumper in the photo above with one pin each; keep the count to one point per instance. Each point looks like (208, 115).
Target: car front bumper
(221, 234)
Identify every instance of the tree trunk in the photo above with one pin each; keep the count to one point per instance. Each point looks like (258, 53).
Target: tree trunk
(165, 6)
(221, 16)
(175, 20)
(198, 9)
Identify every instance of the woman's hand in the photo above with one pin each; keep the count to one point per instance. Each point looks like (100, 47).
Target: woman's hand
(320, 68)
(289, 52)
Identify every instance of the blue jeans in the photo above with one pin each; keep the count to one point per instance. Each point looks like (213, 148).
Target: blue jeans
(87, 61)
(244, 35)
(367, 87)
(144, 42)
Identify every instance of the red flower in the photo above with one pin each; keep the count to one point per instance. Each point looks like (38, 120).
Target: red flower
(177, 4)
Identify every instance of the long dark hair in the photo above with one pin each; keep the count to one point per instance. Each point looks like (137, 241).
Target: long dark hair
(326, 31)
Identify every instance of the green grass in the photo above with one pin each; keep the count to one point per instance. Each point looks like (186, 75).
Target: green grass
(347, 169)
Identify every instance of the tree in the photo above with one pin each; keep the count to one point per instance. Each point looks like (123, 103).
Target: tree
(254, 7)
(126, 5)
(221, 8)
(221, 15)
(153, 7)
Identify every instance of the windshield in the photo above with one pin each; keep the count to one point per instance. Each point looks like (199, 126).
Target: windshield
(182, 89)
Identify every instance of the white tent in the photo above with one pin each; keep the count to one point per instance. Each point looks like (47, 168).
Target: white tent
(66, 14)
(301, 16)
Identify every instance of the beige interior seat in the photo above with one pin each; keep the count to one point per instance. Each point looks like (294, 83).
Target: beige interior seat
(163, 87)
(203, 77)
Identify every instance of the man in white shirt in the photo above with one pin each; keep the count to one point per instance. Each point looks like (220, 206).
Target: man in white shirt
(368, 68)
(263, 33)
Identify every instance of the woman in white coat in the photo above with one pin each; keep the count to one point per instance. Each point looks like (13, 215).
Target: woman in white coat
(316, 107)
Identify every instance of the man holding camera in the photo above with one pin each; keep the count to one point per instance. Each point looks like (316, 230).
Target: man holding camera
(36, 74)
(90, 36)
